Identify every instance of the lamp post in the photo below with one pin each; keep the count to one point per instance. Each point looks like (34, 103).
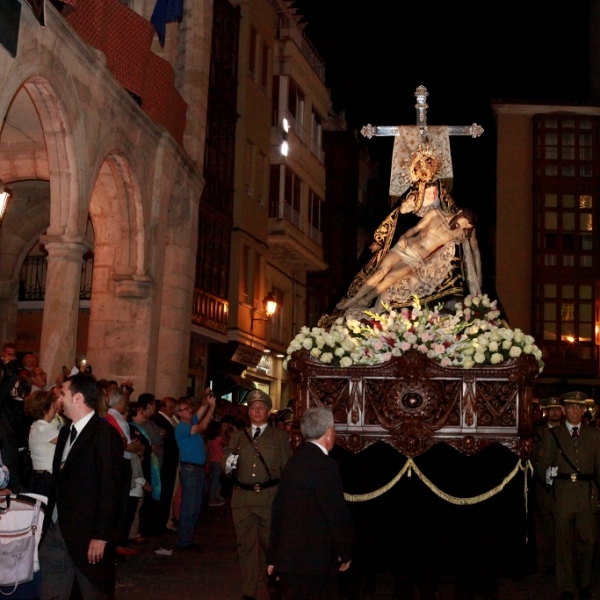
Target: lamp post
(271, 306)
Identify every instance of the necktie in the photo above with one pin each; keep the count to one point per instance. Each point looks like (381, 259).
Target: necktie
(256, 433)
(575, 432)
(73, 434)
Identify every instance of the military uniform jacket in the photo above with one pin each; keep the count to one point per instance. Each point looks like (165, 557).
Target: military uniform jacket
(274, 446)
(569, 496)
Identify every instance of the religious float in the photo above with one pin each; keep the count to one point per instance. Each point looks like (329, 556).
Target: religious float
(430, 390)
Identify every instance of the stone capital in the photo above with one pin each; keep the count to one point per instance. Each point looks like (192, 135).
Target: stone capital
(65, 248)
(8, 289)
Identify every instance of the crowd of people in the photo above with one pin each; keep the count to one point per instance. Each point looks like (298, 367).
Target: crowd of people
(117, 471)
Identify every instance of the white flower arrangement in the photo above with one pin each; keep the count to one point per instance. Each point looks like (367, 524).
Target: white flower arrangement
(473, 335)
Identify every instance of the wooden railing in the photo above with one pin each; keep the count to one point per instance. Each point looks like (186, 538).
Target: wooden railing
(210, 311)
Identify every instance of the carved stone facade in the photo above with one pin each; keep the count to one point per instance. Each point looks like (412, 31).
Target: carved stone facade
(70, 126)
(413, 403)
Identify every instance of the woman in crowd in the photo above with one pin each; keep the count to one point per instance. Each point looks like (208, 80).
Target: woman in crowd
(42, 406)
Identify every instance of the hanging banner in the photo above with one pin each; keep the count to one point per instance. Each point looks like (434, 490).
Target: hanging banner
(10, 18)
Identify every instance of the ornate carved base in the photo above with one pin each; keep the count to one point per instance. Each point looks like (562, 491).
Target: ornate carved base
(412, 403)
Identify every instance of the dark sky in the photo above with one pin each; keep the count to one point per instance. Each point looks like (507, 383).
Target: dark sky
(377, 52)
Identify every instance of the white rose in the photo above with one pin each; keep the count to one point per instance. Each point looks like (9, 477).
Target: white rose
(479, 357)
(485, 301)
(496, 358)
(528, 348)
(515, 352)
(348, 345)
(326, 357)
(340, 352)
(476, 300)
(468, 363)
(315, 352)
(308, 343)
(345, 362)
(519, 336)
(467, 301)
(506, 344)
(493, 346)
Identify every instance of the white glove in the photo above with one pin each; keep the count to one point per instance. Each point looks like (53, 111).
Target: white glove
(231, 463)
(551, 473)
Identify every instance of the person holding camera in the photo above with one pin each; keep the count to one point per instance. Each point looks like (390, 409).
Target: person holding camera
(192, 456)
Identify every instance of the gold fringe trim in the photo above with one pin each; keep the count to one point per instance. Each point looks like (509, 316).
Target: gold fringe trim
(410, 466)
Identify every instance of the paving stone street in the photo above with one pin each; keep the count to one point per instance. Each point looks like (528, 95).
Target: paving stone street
(212, 573)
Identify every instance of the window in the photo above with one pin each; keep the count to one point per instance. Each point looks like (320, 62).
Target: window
(566, 268)
(252, 52)
(285, 196)
(296, 102)
(264, 71)
(277, 320)
(314, 217)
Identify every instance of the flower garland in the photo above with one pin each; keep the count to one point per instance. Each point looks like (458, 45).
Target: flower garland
(473, 335)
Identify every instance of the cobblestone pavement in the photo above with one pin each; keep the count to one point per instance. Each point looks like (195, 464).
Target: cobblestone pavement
(212, 573)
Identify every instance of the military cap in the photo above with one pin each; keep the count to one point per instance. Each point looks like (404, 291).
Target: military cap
(574, 398)
(285, 415)
(551, 402)
(259, 396)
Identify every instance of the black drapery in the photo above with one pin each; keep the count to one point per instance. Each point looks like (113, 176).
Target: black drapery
(416, 535)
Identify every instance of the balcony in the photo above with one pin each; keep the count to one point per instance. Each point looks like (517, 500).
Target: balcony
(288, 244)
(288, 28)
(317, 151)
(210, 311)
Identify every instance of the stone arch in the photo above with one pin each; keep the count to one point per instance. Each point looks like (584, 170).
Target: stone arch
(120, 328)
(62, 158)
(119, 216)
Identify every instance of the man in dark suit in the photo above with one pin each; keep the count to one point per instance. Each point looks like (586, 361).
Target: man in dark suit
(82, 517)
(168, 473)
(569, 461)
(310, 530)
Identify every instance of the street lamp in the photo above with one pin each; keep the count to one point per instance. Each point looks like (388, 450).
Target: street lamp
(4, 198)
(271, 306)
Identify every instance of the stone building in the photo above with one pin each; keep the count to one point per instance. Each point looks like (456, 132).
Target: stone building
(102, 144)
(548, 210)
(276, 234)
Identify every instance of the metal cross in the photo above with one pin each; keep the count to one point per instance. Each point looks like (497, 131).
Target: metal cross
(421, 94)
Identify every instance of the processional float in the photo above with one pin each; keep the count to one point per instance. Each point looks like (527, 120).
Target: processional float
(442, 379)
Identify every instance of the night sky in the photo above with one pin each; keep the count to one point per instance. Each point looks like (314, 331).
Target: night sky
(465, 54)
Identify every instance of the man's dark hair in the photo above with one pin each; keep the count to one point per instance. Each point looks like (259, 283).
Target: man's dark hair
(145, 400)
(87, 385)
(9, 345)
(164, 401)
(468, 213)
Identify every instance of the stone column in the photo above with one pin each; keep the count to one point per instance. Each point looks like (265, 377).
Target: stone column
(8, 311)
(61, 303)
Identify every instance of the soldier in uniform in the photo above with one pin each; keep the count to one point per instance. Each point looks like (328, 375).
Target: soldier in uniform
(543, 494)
(256, 456)
(568, 459)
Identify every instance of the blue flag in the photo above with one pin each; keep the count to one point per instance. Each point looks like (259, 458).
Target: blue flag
(165, 12)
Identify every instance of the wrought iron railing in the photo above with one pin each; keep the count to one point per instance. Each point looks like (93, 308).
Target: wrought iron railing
(32, 281)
